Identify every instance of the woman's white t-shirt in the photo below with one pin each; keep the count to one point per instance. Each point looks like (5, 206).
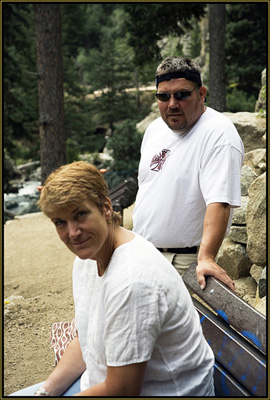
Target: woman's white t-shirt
(140, 310)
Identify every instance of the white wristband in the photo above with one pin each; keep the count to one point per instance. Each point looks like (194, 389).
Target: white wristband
(41, 392)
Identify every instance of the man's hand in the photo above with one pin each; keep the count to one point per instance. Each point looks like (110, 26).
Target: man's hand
(211, 268)
(214, 229)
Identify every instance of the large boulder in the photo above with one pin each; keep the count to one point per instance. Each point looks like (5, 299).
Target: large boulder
(256, 272)
(238, 234)
(262, 284)
(256, 221)
(247, 177)
(250, 127)
(256, 159)
(234, 259)
(239, 214)
(142, 125)
(261, 102)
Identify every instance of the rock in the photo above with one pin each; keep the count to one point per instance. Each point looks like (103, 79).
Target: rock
(11, 171)
(261, 102)
(245, 286)
(142, 125)
(239, 214)
(250, 127)
(35, 175)
(256, 221)
(261, 305)
(8, 215)
(238, 234)
(13, 299)
(247, 177)
(263, 77)
(256, 159)
(12, 176)
(32, 207)
(256, 272)
(234, 259)
(11, 204)
(262, 284)
(28, 167)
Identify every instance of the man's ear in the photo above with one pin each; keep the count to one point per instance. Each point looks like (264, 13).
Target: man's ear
(203, 92)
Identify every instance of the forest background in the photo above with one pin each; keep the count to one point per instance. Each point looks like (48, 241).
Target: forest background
(109, 51)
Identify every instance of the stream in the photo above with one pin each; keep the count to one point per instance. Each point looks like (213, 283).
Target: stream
(23, 202)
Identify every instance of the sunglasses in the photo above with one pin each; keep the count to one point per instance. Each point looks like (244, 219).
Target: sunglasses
(182, 95)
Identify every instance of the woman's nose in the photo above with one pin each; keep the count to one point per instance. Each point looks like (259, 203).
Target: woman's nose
(73, 230)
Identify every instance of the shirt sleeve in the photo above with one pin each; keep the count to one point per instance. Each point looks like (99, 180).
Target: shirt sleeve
(220, 176)
(132, 324)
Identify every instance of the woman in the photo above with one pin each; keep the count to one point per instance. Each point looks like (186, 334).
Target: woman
(138, 332)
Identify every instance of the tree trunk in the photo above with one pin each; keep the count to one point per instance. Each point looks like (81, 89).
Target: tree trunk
(50, 87)
(217, 80)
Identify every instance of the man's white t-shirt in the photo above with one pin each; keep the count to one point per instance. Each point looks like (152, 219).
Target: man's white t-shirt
(140, 310)
(179, 176)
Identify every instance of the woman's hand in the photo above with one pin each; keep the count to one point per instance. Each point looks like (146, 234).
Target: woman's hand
(69, 368)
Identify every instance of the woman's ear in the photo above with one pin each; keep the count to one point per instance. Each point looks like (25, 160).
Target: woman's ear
(108, 209)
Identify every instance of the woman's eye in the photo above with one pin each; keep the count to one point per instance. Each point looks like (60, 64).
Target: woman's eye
(81, 214)
(59, 223)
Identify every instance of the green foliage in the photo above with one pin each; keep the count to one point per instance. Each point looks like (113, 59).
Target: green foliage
(20, 82)
(194, 45)
(246, 45)
(149, 23)
(107, 48)
(262, 111)
(125, 145)
(112, 74)
(237, 100)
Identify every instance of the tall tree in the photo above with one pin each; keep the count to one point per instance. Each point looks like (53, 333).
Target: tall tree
(114, 71)
(50, 87)
(147, 24)
(217, 79)
(20, 87)
(246, 45)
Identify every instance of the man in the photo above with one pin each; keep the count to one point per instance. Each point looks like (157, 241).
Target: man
(189, 173)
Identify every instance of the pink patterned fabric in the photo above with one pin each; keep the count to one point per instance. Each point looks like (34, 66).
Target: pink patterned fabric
(62, 333)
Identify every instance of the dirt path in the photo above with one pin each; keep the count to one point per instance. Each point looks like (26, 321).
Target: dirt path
(37, 292)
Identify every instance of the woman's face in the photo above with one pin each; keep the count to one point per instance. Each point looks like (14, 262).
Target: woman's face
(84, 229)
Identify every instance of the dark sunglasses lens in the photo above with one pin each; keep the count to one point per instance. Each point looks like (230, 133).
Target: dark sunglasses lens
(178, 96)
(163, 96)
(182, 95)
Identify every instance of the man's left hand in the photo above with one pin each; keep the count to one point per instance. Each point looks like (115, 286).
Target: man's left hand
(211, 268)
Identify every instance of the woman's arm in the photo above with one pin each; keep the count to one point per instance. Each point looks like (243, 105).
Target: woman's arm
(120, 381)
(69, 368)
(214, 229)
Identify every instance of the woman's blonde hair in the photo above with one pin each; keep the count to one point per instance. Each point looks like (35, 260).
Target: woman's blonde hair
(72, 184)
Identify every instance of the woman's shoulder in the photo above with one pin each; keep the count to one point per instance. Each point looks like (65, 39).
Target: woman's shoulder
(141, 258)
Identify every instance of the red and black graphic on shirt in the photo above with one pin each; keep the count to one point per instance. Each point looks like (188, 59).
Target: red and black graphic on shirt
(159, 159)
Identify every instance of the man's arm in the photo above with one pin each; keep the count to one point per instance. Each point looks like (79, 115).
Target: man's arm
(214, 229)
(120, 381)
(69, 368)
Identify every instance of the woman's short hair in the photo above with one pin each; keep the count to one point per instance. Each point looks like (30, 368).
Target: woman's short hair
(72, 184)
